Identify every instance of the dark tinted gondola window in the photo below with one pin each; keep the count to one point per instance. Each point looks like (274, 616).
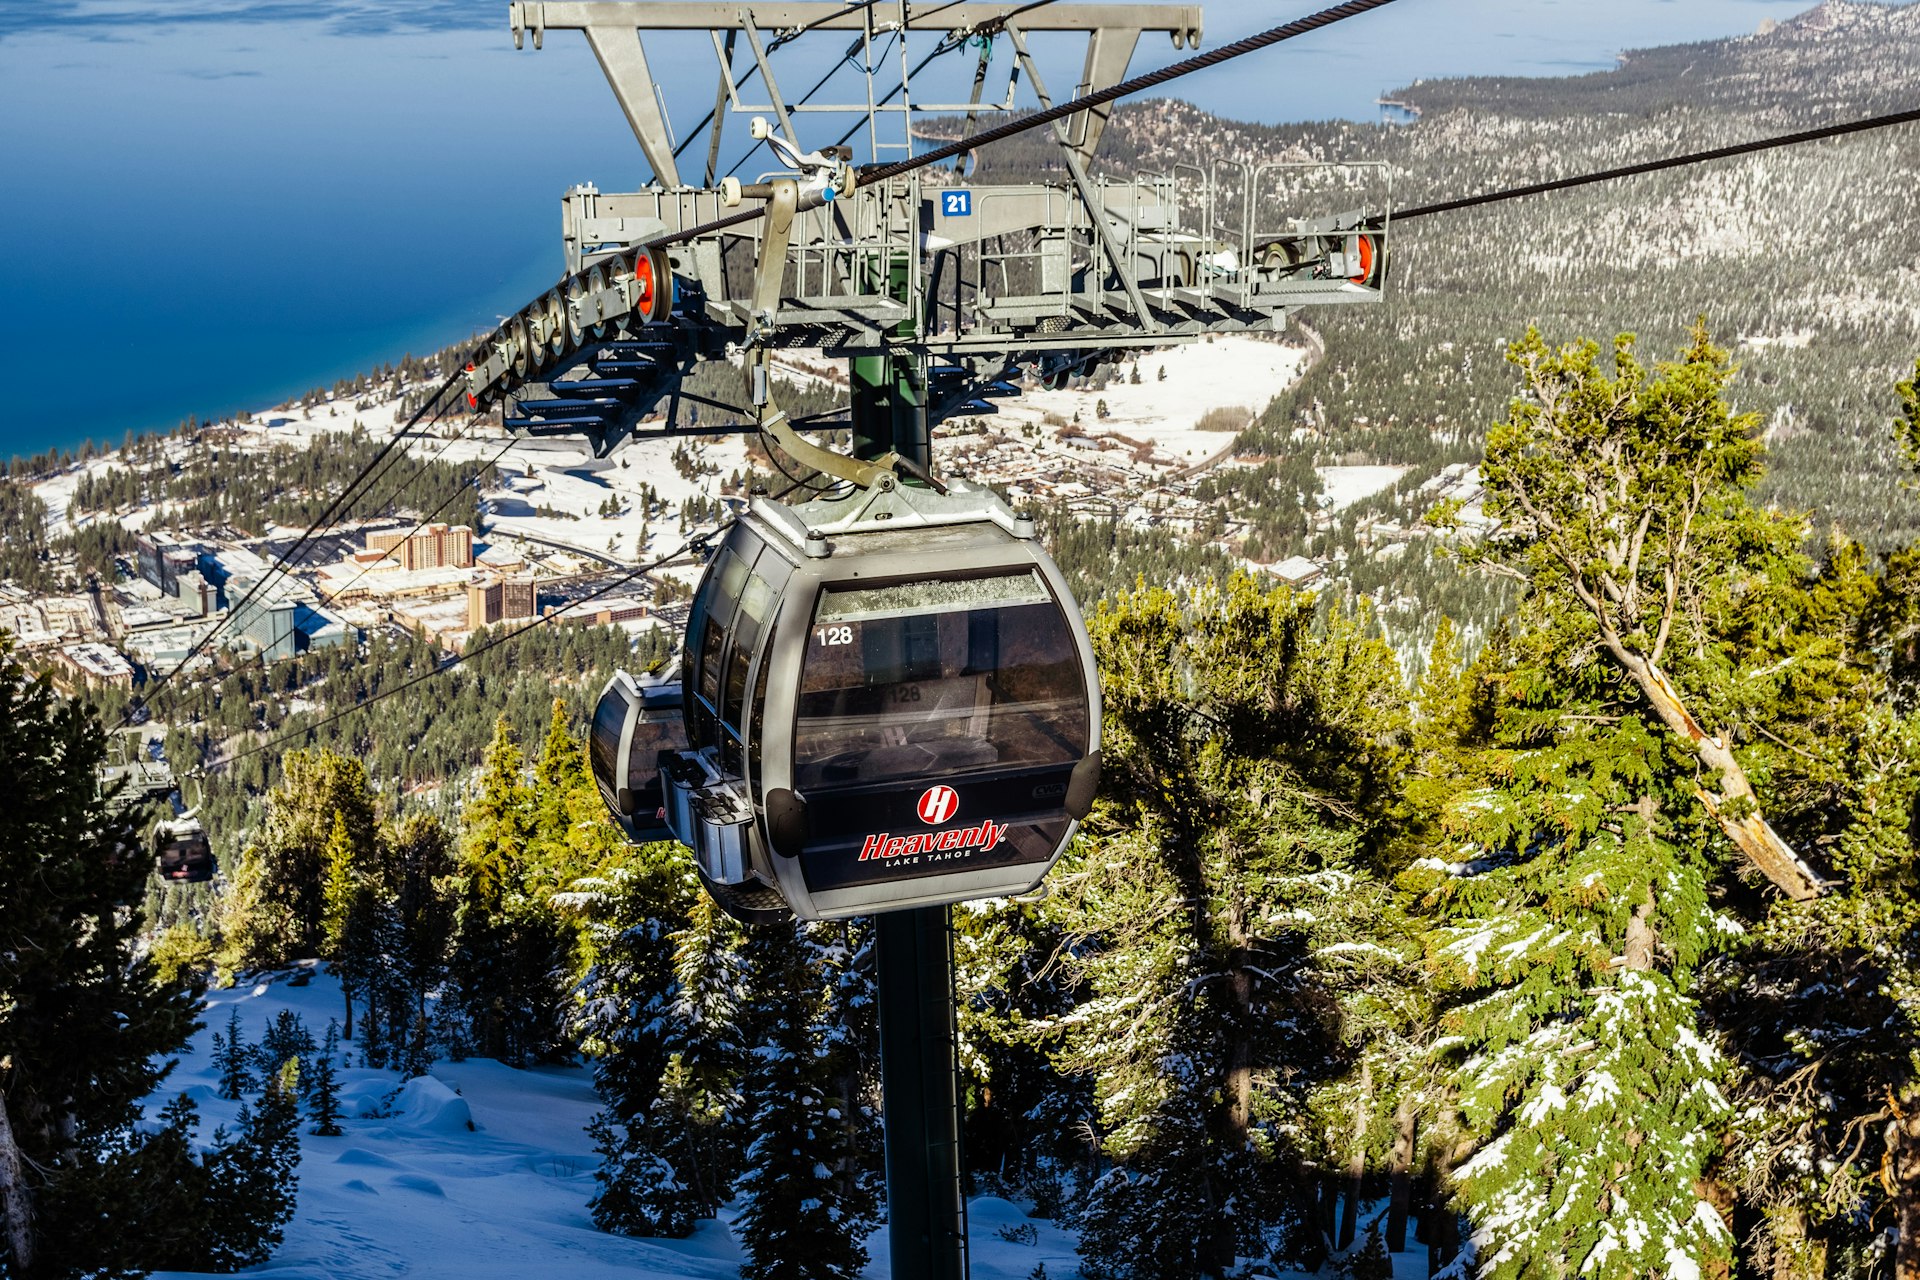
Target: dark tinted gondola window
(609, 721)
(757, 713)
(756, 605)
(929, 679)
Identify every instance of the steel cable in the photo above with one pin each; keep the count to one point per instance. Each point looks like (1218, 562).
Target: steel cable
(1671, 162)
(508, 637)
(368, 474)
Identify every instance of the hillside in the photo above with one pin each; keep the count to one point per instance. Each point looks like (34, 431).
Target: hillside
(1803, 260)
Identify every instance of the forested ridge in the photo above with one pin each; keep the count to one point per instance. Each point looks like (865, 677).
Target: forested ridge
(1749, 243)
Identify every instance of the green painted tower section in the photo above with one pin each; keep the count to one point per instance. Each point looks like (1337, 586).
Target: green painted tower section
(919, 1062)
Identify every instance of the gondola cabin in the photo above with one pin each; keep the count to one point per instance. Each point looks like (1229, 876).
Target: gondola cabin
(182, 853)
(179, 846)
(636, 722)
(890, 701)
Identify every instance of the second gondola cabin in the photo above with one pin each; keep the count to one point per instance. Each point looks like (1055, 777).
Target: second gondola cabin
(890, 701)
(182, 853)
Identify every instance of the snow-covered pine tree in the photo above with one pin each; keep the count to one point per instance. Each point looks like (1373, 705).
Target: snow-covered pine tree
(1580, 1065)
(845, 955)
(253, 1179)
(1649, 686)
(627, 1020)
(641, 1192)
(796, 1222)
(1250, 761)
(87, 1031)
(1821, 1002)
(698, 1107)
(1027, 1121)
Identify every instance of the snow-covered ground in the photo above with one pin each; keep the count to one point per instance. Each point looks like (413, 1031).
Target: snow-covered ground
(482, 1172)
(1344, 486)
(1232, 371)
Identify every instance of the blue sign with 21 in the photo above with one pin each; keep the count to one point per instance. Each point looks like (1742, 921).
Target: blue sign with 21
(956, 204)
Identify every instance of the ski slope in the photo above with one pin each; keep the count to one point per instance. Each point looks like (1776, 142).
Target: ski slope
(479, 1171)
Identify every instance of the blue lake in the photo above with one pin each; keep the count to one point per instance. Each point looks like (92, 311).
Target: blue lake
(214, 206)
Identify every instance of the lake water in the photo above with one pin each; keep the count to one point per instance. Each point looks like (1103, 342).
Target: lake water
(212, 206)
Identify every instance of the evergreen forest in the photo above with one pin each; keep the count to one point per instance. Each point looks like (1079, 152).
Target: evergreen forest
(1592, 949)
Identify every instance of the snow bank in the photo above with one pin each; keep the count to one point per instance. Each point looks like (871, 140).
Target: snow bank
(425, 1104)
(411, 1190)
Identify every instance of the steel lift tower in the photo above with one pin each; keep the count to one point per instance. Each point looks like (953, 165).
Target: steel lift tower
(938, 292)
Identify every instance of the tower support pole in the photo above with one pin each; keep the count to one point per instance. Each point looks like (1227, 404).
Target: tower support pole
(919, 1061)
(926, 1210)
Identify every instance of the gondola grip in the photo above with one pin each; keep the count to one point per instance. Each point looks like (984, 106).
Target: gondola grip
(786, 822)
(1082, 787)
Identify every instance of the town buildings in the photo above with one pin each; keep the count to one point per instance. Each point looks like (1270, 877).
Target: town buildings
(495, 598)
(94, 666)
(435, 546)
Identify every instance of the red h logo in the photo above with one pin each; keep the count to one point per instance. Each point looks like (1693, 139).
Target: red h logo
(938, 804)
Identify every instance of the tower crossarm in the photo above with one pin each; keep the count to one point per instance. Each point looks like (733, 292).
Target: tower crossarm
(614, 28)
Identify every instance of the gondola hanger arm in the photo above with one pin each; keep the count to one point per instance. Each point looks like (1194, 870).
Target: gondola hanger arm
(784, 198)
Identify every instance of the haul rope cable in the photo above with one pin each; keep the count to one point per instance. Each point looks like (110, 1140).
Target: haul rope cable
(327, 518)
(433, 515)
(490, 463)
(368, 475)
(175, 703)
(260, 659)
(443, 667)
(1671, 162)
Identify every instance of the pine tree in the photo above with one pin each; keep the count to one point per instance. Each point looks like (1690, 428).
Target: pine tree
(323, 1089)
(699, 1099)
(232, 1059)
(253, 1179)
(285, 1040)
(1822, 993)
(1626, 494)
(276, 910)
(641, 1191)
(513, 956)
(797, 1222)
(1575, 861)
(87, 1030)
(423, 908)
(1251, 759)
(342, 880)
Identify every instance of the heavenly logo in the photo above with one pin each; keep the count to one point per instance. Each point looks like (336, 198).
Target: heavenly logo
(938, 804)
